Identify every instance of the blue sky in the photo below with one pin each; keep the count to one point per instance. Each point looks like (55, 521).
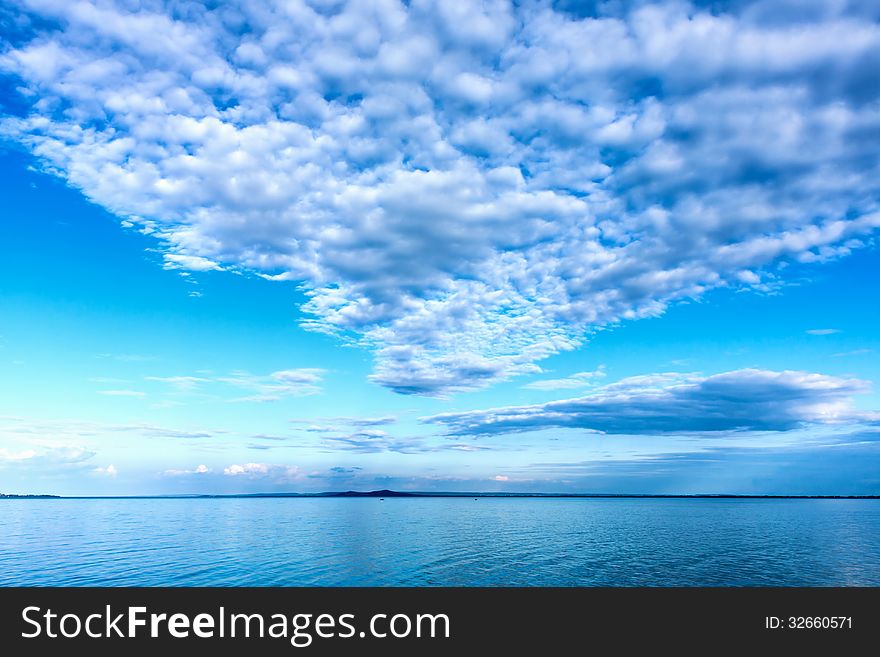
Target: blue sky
(462, 246)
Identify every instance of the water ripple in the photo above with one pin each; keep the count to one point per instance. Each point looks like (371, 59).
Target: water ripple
(439, 542)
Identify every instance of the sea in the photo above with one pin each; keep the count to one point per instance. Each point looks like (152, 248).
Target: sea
(453, 541)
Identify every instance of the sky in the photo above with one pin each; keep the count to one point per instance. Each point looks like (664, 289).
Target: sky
(476, 246)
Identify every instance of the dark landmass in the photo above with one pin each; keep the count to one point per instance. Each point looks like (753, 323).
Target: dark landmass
(28, 497)
(392, 493)
(347, 493)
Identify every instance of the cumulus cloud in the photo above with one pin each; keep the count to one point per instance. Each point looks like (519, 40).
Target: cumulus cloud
(248, 468)
(263, 471)
(465, 188)
(741, 400)
(198, 470)
(109, 471)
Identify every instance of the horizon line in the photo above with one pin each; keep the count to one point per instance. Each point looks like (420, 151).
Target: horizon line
(437, 494)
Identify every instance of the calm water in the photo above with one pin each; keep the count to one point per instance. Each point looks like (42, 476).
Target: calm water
(492, 542)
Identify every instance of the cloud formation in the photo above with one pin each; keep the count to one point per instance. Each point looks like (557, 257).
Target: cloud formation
(741, 400)
(109, 471)
(198, 470)
(45, 456)
(300, 382)
(343, 423)
(122, 393)
(375, 440)
(263, 471)
(577, 380)
(464, 187)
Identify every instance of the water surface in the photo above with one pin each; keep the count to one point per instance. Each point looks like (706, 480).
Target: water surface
(439, 541)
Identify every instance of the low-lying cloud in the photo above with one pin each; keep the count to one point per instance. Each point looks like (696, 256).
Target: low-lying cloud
(741, 400)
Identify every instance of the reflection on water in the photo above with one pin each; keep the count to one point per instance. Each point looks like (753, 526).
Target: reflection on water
(439, 542)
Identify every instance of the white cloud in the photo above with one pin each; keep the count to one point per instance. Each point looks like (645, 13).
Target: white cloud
(122, 393)
(109, 471)
(72, 432)
(180, 383)
(854, 352)
(41, 454)
(501, 478)
(299, 382)
(741, 400)
(190, 263)
(466, 188)
(198, 470)
(338, 423)
(8, 456)
(577, 380)
(370, 440)
(264, 471)
(375, 440)
(827, 331)
(247, 468)
(296, 383)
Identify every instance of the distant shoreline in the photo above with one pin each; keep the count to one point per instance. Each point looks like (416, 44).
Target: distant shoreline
(397, 494)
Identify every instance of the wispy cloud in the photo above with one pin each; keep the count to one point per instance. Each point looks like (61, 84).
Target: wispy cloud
(578, 380)
(373, 440)
(44, 457)
(286, 383)
(853, 352)
(376, 440)
(824, 331)
(263, 388)
(190, 263)
(122, 393)
(182, 383)
(8, 456)
(342, 423)
(71, 429)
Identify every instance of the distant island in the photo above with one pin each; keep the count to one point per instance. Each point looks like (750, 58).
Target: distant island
(28, 497)
(393, 493)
